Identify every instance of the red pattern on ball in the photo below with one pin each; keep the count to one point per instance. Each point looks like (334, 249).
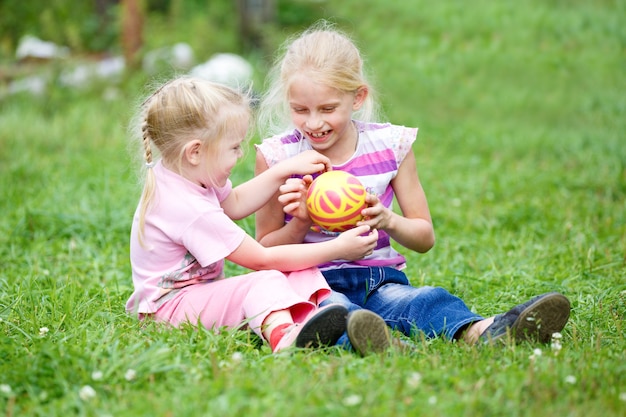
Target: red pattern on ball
(335, 200)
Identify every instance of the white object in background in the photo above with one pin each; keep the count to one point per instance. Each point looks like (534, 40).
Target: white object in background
(177, 57)
(225, 68)
(33, 47)
(107, 69)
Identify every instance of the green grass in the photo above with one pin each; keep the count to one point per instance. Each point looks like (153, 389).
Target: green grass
(523, 157)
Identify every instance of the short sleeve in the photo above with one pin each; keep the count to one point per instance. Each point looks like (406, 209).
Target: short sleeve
(402, 141)
(223, 192)
(281, 147)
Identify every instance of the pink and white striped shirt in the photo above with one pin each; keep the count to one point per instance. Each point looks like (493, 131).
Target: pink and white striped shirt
(380, 150)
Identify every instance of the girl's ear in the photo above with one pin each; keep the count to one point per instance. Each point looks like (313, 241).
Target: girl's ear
(192, 152)
(359, 97)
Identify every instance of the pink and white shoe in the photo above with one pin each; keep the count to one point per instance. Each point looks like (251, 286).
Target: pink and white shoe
(322, 328)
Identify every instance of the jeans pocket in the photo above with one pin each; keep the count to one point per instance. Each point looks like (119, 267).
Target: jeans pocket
(385, 275)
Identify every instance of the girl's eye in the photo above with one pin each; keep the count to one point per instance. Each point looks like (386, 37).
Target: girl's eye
(328, 109)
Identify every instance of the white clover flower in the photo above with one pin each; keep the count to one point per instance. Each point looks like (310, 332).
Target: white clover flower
(570, 379)
(96, 375)
(432, 400)
(556, 342)
(237, 357)
(414, 379)
(5, 389)
(43, 331)
(536, 353)
(352, 400)
(622, 396)
(130, 375)
(86, 393)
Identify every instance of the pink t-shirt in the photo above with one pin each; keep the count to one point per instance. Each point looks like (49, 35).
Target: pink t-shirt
(186, 237)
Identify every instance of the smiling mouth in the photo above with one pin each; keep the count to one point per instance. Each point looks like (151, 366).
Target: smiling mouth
(318, 136)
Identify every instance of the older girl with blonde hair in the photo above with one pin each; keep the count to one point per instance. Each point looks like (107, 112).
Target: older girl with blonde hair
(319, 99)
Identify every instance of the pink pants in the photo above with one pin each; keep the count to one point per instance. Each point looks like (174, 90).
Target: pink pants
(246, 299)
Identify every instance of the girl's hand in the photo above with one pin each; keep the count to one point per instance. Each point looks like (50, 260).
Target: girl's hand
(356, 243)
(307, 162)
(293, 197)
(376, 215)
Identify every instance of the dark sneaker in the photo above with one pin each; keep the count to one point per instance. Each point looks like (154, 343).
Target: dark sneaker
(323, 328)
(368, 332)
(535, 320)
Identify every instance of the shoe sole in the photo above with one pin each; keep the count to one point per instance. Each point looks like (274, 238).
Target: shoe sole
(368, 332)
(324, 328)
(541, 319)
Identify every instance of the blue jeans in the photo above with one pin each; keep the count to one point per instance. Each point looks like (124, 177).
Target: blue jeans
(387, 292)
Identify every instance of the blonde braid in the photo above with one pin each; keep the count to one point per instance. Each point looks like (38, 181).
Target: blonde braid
(150, 183)
(146, 143)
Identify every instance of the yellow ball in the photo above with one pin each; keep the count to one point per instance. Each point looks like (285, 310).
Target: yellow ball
(335, 200)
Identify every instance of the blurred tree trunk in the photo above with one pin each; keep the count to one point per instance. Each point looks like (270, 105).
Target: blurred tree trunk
(132, 29)
(253, 15)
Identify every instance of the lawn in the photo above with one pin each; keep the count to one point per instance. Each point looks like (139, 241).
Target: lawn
(521, 151)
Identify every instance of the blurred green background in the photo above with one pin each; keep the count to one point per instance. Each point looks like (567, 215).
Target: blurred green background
(521, 151)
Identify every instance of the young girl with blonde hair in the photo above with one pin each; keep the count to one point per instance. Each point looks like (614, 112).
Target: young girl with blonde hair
(319, 99)
(183, 228)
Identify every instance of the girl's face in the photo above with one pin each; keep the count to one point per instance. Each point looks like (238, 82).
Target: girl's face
(214, 170)
(324, 116)
(230, 152)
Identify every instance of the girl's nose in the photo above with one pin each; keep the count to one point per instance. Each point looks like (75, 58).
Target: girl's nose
(314, 122)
